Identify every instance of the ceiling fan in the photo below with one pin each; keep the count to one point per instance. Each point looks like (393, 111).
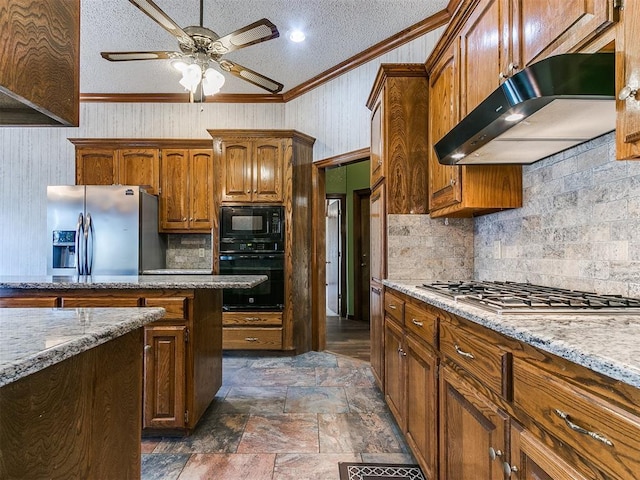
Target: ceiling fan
(200, 47)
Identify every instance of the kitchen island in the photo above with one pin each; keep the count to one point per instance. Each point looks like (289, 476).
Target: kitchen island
(70, 392)
(182, 352)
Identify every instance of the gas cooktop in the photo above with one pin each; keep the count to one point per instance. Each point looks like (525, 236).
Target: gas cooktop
(513, 297)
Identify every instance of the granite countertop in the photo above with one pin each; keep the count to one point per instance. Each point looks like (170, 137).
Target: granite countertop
(132, 282)
(608, 343)
(32, 339)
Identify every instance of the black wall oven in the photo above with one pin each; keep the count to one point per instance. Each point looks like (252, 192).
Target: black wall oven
(252, 243)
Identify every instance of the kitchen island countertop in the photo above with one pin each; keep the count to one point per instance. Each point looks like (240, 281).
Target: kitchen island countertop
(32, 339)
(605, 343)
(131, 282)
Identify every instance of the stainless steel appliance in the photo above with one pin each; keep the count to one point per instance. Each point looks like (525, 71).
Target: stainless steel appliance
(525, 298)
(551, 105)
(252, 243)
(102, 230)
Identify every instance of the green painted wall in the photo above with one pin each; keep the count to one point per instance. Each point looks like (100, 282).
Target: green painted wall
(345, 180)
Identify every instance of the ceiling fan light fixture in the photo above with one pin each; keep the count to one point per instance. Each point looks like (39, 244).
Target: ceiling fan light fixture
(212, 81)
(191, 77)
(179, 65)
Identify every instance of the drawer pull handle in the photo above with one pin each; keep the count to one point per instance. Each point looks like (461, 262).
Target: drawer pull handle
(416, 322)
(392, 306)
(462, 353)
(255, 319)
(577, 428)
(251, 339)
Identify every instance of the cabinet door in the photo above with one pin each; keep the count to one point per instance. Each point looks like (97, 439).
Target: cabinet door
(394, 371)
(470, 425)
(378, 234)
(550, 28)
(235, 169)
(139, 167)
(532, 460)
(268, 171)
(95, 166)
(164, 377)
(201, 189)
(422, 401)
(484, 51)
(376, 325)
(377, 140)
(445, 186)
(628, 75)
(174, 207)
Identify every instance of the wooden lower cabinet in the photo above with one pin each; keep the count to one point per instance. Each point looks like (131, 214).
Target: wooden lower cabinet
(164, 379)
(252, 330)
(473, 431)
(394, 371)
(530, 459)
(376, 332)
(182, 368)
(422, 408)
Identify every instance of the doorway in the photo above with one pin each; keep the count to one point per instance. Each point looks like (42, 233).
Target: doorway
(361, 246)
(335, 240)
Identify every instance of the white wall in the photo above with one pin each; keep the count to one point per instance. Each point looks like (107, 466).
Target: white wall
(32, 158)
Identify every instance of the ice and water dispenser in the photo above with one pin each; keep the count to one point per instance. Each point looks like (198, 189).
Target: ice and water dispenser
(64, 249)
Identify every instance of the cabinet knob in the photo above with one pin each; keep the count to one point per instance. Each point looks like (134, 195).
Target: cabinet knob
(452, 182)
(184, 219)
(248, 191)
(255, 191)
(191, 219)
(493, 454)
(147, 348)
(502, 76)
(626, 92)
(509, 469)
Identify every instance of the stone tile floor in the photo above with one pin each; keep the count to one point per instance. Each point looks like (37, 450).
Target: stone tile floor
(283, 418)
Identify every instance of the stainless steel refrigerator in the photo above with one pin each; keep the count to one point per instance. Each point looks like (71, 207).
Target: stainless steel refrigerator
(103, 230)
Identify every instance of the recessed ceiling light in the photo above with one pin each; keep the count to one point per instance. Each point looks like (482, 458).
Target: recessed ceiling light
(297, 36)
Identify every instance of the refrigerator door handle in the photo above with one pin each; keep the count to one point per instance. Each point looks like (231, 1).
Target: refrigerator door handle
(79, 245)
(89, 234)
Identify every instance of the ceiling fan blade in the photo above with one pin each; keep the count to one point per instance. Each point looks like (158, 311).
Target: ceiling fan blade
(251, 76)
(126, 56)
(156, 14)
(257, 32)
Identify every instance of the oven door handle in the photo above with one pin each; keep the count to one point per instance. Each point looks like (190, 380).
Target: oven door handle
(249, 257)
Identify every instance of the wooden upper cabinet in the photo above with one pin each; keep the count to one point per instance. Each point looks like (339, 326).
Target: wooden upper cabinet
(268, 171)
(186, 203)
(252, 170)
(399, 143)
(628, 76)
(95, 166)
(551, 28)
(139, 167)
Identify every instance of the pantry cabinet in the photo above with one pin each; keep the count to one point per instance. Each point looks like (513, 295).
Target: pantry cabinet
(251, 170)
(377, 270)
(628, 83)
(186, 203)
(399, 107)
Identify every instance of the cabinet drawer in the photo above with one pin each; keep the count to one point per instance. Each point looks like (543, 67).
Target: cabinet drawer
(28, 302)
(421, 322)
(393, 306)
(88, 302)
(476, 355)
(252, 318)
(176, 307)
(596, 429)
(252, 338)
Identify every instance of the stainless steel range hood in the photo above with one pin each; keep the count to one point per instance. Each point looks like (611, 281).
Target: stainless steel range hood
(550, 106)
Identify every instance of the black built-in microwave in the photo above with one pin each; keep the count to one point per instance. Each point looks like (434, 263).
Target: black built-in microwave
(251, 228)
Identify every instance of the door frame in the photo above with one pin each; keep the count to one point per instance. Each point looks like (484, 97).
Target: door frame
(357, 253)
(342, 291)
(318, 267)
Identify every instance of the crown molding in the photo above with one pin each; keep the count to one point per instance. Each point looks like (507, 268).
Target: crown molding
(405, 36)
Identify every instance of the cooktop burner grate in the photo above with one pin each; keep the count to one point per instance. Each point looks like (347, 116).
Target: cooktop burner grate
(514, 297)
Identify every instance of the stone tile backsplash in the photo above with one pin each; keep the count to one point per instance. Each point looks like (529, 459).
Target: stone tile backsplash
(421, 247)
(579, 226)
(184, 250)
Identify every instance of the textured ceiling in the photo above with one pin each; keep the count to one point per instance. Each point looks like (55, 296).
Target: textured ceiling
(336, 30)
